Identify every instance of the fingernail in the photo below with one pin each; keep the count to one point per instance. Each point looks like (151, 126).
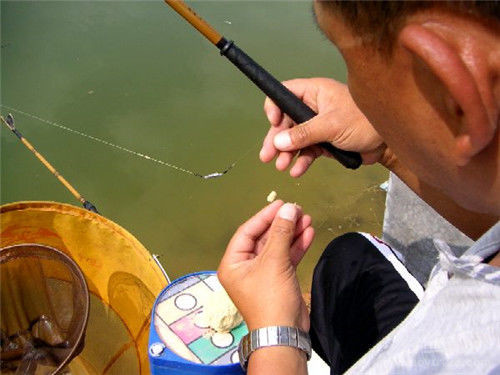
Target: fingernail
(282, 140)
(288, 212)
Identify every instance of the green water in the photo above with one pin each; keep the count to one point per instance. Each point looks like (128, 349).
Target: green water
(135, 74)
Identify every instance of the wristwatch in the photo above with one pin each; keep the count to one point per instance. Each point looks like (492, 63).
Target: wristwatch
(273, 336)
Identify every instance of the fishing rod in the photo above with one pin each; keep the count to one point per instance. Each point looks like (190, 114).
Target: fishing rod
(279, 94)
(9, 122)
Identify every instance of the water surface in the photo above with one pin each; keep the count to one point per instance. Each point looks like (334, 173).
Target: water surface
(135, 74)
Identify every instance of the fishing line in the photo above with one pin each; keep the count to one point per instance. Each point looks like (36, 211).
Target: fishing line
(121, 148)
(366, 217)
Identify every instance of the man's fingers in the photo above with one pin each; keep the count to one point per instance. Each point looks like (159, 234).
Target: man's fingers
(282, 231)
(275, 116)
(243, 241)
(374, 156)
(254, 227)
(273, 112)
(303, 222)
(305, 159)
(318, 129)
(284, 160)
(299, 87)
(268, 151)
(301, 245)
(304, 90)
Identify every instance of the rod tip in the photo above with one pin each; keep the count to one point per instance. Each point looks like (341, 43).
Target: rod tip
(89, 206)
(10, 119)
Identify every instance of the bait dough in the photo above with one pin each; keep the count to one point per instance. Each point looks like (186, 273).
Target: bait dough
(272, 196)
(219, 313)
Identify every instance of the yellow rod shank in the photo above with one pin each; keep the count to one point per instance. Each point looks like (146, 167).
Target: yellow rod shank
(49, 166)
(200, 24)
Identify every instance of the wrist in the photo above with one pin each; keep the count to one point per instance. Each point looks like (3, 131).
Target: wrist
(269, 322)
(277, 360)
(275, 336)
(286, 316)
(280, 351)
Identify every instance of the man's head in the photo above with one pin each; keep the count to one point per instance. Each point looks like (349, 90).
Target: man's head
(427, 75)
(378, 22)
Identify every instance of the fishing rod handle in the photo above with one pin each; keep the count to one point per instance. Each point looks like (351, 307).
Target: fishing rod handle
(282, 97)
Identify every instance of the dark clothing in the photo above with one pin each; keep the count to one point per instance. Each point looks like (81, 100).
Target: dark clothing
(357, 298)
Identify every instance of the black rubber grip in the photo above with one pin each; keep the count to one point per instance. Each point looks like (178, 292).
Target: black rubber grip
(282, 97)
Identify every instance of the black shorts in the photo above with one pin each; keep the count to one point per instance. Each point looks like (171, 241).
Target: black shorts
(360, 292)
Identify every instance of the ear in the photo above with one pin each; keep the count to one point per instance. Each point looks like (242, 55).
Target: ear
(464, 100)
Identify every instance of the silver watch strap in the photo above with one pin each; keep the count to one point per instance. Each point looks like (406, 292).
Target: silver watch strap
(273, 336)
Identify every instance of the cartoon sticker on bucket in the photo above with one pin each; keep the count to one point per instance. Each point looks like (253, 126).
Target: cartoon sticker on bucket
(175, 325)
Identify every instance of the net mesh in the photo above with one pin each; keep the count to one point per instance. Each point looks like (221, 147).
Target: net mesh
(44, 309)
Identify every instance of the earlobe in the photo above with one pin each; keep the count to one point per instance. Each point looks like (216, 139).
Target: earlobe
(474, 127)
(463, 149)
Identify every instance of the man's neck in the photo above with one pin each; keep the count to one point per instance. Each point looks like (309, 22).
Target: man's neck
(472, 224)
(495, 262)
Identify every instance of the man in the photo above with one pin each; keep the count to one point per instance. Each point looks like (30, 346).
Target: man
(423, 99)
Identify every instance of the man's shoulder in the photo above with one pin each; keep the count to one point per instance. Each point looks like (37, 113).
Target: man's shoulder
(454, 329)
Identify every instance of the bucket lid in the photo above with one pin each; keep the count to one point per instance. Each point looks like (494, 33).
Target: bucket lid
(176, 324)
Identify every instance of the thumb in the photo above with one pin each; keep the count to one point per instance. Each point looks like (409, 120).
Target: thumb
(316, 130)
(282, 231)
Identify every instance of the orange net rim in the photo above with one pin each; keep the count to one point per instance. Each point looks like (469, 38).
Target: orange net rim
(68, 209)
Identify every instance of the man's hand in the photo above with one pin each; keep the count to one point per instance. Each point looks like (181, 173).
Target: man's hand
(258, 269)
(339, 121)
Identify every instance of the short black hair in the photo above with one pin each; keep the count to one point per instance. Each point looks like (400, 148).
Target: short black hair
(378, 22)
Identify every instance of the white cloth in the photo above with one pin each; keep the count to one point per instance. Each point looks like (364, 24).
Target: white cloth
(455, 328)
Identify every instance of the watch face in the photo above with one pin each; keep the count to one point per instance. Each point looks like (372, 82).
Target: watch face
(176, 324)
